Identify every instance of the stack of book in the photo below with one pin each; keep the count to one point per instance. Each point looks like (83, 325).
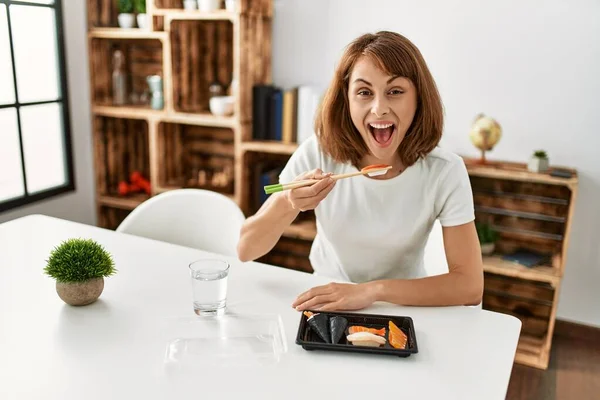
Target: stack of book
(284, 115)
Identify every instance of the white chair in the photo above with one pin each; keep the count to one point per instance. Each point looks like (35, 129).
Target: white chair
(197, 218)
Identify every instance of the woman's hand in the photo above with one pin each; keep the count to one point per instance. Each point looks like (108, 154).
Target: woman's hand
(336, 296)
(308, 197)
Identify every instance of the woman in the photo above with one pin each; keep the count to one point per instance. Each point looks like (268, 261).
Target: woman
(382, 107)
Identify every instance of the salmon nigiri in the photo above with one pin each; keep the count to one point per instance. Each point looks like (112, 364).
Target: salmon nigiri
(355, 329)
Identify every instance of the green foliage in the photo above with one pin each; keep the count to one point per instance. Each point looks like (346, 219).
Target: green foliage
(540, 154)
(125, 6)
(79, 260)
(486, 233)
(140, 6)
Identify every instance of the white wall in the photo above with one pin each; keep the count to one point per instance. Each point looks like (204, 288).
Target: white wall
(532, 65)
(79, 205)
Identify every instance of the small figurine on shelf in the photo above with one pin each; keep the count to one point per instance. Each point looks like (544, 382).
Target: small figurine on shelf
(156, 90)
(119, 79)
(539, 162)
(137, 183)
(126, 16)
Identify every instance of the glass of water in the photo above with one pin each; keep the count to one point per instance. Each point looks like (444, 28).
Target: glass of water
(209, 286)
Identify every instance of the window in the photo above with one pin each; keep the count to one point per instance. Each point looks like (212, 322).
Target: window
(35, 140)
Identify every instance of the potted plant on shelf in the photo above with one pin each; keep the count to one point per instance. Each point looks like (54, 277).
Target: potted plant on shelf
(487, 238)
(79, 267)
(539, 162)
(140, 9)
(126, 16)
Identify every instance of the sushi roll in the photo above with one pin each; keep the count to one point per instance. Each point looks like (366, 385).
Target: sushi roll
(366, 339)
(320, 325)
(337, 326)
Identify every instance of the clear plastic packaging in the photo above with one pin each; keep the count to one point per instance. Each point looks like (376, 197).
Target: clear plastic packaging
(196, 343)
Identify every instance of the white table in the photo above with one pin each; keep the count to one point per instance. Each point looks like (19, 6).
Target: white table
(109, 350)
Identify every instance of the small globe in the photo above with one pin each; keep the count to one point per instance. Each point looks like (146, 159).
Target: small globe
(485, 132)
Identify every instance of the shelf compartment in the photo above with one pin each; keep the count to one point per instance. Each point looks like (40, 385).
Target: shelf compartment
(143, 57)
(121, 148)
(111, 217)
(517, 172)
(202, 51)
(102, 13)
(196, 157)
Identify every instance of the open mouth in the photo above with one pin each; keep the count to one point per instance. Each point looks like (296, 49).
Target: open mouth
(382, 132)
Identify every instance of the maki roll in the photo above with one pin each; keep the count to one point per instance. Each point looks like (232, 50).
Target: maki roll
(337, 326)
(320, 325)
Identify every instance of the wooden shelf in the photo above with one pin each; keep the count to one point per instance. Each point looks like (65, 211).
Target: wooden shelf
(180, 14)
(145, 112)
(270, 147)
(122, 33)
(123, 203)
(204, 119)
(496, 265)
(516, 171)
(133, 112)
(305, 230)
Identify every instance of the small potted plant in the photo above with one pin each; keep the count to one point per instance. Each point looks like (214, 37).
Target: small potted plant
(140, 9)
(126, 16)
(487, 238)
(79, 267)
(539, 162)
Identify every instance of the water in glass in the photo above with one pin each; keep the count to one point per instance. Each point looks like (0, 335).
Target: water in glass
(209, 286)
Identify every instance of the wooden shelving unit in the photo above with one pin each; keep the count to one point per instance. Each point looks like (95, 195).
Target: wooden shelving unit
(533, 212)
(183, 144)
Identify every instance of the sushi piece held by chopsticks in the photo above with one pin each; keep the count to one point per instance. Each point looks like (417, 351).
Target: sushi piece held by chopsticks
(371, 170)
(366, 339)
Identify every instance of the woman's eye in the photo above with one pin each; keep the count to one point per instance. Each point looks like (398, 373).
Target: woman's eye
(396, 92)
(364, 92)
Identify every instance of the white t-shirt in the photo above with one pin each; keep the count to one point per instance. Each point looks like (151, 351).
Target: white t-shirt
(369, 229)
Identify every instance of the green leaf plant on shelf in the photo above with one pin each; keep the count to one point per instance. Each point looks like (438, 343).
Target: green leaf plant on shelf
(79, 267)
(126, 17)
(538, 162)
(487, 237)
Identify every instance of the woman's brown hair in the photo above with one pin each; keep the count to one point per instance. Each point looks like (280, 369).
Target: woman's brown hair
(397, 56)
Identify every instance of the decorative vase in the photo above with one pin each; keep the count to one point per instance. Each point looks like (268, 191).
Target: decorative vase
(126, 20)
(537, 164)
(488, 248)
(141, 21)
(231, 5)
(80, 293)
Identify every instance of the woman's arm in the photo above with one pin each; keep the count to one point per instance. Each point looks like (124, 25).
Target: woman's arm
(260, 232)
(462, 285)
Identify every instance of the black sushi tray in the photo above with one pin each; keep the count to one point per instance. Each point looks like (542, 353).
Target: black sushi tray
(309, 339)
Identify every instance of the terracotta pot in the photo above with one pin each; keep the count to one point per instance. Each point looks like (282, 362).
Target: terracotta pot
(80, 293)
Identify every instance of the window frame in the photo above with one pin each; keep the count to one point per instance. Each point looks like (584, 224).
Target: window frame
(63, 99)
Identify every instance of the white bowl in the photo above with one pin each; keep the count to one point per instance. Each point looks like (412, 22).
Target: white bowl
(221, 105)
(209, 5)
